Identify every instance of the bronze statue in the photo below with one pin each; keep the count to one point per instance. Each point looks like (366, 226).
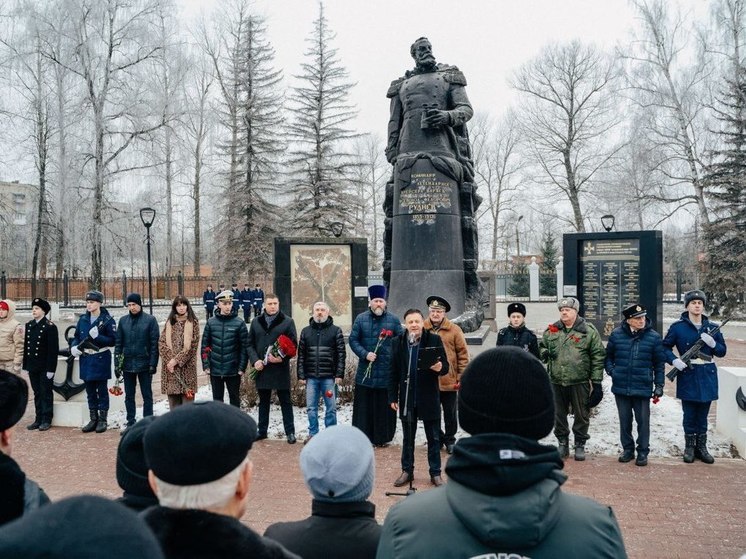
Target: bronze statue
(432, 185)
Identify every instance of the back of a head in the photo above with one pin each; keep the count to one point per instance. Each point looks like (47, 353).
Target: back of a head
(198, 443)
(132, 468)
(338, 465)
(82, 527)
(13, 399)
(506, 390)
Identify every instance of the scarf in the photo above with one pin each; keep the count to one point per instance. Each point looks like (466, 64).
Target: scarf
(188, 331)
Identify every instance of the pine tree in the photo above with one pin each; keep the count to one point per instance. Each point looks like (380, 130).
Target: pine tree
(725, 180)
(251, 113)
(548, 276)
(520, 283)
(322, 181)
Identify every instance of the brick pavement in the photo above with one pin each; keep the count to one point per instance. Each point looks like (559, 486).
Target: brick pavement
(668, 509)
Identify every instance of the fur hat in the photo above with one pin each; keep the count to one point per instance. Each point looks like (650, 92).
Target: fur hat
(570, 302)
(132, 469)
(198, 443)
(95, 296)
(517, 307)
(694, 295)
(338, 465)
(43, 304)
(84, 527)
(506, 390)
(134, 298)
(13, 399)
(377, 292)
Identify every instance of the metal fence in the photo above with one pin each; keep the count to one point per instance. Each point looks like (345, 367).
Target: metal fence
(70, 292)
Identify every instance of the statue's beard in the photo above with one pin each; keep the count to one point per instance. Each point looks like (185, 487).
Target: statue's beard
(426, 64)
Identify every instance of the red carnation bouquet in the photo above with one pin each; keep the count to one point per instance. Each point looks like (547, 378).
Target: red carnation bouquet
(381, 337)
(283, 347)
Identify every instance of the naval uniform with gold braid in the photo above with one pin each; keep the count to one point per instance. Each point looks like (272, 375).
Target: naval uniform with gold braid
(39, 358)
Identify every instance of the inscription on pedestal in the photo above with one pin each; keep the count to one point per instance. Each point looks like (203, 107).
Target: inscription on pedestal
(426, 195)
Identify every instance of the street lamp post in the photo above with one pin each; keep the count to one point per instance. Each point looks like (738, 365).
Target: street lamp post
(517, 240)
(607, 221)
(147, 215)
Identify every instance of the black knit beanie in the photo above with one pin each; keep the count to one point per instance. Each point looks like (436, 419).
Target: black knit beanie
(506, 390)
(132, 469)
(134, 298)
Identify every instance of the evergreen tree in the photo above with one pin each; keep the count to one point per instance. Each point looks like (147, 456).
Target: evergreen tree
(520, 282)
(548, 274)
(322, 181)
(251, 114)
(725, 180)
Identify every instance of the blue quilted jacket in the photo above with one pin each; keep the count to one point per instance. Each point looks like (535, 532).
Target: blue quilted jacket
(636, 362)
(364, 337)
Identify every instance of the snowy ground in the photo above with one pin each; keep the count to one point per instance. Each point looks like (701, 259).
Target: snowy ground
(666, 433)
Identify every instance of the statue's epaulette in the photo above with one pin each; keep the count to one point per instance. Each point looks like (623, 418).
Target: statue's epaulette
(394, 88)
(453, 75)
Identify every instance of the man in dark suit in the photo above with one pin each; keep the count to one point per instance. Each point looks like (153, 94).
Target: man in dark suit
(40, 361)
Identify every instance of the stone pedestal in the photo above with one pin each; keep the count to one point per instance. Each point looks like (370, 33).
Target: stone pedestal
(426, 246)
(731, 420)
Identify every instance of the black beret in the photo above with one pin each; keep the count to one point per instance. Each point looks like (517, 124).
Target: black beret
(517, 307)
(43, 304)
(437, 302)
(198, 443)
(13, 399)
(132, 469)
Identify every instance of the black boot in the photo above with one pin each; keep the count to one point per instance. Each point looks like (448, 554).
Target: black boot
(91, 425)
(700, 451)
(563, 446)
(102, 425)
(579, 452)
(691, 442)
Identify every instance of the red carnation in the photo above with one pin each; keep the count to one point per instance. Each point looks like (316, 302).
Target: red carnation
(329, 393)
(553, 329)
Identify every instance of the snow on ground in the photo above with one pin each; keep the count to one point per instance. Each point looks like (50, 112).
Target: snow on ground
(666, 432)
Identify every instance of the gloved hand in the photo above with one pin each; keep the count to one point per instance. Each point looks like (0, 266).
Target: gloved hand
(152, 370)
(50, 375)
(596, 395)
(93, 332)
(75, 351)
(679, 364)
(658, 392)
(706, 338)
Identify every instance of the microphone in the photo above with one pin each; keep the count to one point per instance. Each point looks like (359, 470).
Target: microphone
(412, 338)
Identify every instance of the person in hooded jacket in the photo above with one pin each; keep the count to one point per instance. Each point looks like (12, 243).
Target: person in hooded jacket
(321, 365)
(504, 493)
(11, 338)
(697, 382)
(517, 333)
(635, 361)
(96, 333)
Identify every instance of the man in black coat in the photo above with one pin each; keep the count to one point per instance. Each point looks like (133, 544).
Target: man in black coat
(339, 468)
(417, 359)
(208, 299)
(40, 360)
(201, 470)
(272, 371)
(136, 356)
(516, 333)
(321, 365)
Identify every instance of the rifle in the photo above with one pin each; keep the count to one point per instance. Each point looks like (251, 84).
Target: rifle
(695, 353)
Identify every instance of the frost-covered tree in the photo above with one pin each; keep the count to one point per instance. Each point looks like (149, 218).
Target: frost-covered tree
(321, 180)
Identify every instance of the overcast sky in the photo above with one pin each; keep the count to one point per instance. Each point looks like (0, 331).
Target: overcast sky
(487, 39)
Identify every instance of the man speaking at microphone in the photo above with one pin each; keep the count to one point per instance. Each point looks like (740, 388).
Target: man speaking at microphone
(418, 358)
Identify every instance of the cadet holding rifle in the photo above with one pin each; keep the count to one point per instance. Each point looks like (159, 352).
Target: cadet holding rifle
(697, 380)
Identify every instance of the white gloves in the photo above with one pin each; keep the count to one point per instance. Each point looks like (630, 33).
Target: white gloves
(93, 332)
(706, 338)
(50, 375)
(75, 351)
(679, 364)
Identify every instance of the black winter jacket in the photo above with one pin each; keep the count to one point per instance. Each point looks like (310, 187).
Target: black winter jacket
(321, 351)
(352, 528)
(520, 337)
(137, 339)
(41, 344)
(274, 376)
(227, 338)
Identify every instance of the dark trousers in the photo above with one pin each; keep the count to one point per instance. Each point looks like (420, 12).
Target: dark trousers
(432, 432)
(233, 383)
(450, 417)
(573, 398)
(246, 314)
(97, 392)
(146, 389)
(286, 405)
(695, 417)
(627, 406)
(257, 309)
(209, 313)
(43, 395)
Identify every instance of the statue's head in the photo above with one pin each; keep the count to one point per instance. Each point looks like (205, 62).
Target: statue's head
(422, 52)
